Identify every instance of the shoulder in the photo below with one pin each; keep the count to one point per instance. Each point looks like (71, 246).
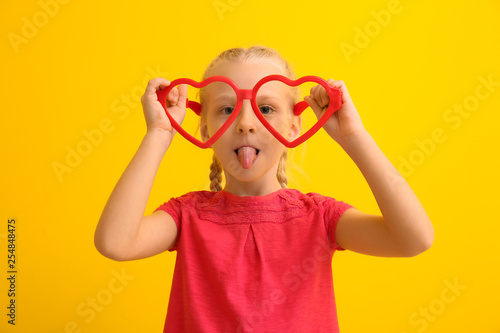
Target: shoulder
(310, 198)
(189, 199)
(199, 195)
(194, 196)
(331, 208)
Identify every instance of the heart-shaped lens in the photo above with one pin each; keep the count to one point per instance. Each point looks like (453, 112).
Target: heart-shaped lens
(277, 98)
(219, 99)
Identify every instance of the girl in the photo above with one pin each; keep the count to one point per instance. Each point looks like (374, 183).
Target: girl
(255, 256)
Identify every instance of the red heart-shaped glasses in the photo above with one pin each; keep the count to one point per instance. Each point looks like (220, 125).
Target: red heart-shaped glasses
(334, 94)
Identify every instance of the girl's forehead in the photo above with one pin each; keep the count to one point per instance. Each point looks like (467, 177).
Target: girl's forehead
(247, 74)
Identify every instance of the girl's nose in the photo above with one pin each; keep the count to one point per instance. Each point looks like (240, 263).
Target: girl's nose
(246, 122)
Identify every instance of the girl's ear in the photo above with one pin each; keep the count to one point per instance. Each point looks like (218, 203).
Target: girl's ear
(295, 128)
(204, 131)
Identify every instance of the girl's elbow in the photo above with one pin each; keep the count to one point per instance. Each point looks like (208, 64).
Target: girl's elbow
(101, 247)
(421, 246)
(110, 254)
(107, 250)
(428, 239)
(421, 249)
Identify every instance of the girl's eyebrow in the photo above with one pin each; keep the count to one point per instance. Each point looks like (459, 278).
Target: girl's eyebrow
(268, 97)
(265, 95)
(225, 97)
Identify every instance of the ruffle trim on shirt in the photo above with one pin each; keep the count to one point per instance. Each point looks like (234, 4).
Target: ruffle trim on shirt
(226, 208)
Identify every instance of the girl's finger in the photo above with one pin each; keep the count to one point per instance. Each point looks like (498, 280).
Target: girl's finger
(341, 85)
(158, 83)
(325, 99)
(153, 86)
(182, 95)
(314, 93)
(173, 96)
(314, 105)
(311, 92)
(319, 96)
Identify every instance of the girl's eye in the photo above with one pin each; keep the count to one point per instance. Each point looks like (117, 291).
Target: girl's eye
(266, 110)
(227, 110)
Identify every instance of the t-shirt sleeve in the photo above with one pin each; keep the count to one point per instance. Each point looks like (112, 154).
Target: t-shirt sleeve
(333, 211)
(173, 208)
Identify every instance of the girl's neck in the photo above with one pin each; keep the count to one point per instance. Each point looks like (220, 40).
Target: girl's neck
(256, 188)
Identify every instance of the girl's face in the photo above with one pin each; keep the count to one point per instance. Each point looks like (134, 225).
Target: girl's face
(248, 152)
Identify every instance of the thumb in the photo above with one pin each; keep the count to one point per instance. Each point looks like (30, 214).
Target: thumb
(182, 95)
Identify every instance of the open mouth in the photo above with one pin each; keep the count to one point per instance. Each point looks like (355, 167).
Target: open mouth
(256, 151)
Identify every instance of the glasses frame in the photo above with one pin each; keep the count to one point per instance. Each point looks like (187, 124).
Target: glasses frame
(241, 94)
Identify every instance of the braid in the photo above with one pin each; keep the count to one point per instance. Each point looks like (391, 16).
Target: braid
(281, 173)
(215, 175)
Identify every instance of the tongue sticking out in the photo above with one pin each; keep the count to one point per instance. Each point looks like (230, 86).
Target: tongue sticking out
(247, 156)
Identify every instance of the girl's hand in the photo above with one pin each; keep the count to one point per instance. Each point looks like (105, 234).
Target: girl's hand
(156, 119)
(345, 122)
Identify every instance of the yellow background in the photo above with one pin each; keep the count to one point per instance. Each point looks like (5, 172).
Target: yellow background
(85, 66)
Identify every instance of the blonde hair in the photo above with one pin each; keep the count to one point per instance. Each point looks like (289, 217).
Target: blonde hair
(242, 55)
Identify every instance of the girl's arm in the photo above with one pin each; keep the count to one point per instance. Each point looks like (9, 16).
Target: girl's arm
(404, 229)
(123, 233)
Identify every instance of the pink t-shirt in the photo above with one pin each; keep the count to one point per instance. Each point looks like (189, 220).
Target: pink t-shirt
(253, 264)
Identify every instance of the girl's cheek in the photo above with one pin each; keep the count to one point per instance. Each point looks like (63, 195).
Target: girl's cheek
(281, 124)
(214, 123)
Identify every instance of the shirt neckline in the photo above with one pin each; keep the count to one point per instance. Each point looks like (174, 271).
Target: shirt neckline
(251, 198)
